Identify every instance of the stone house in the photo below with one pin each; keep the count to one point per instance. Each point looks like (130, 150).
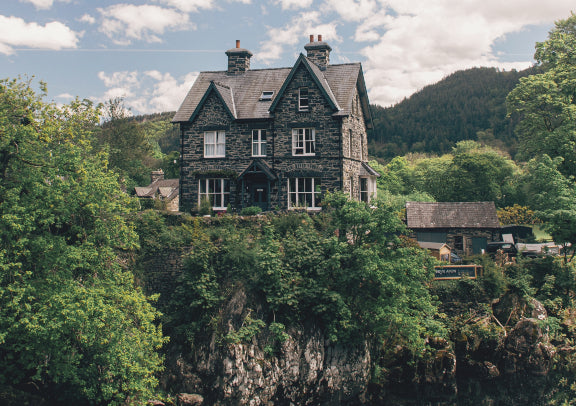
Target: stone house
(166, 190)
(275, 138)
(466, 227)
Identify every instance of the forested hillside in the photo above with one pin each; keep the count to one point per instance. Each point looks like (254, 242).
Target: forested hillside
(457, 108)
(467, 105)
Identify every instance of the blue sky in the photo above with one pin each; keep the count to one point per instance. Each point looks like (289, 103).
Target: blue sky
(150, 52)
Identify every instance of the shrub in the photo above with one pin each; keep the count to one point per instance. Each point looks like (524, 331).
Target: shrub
(251, 211)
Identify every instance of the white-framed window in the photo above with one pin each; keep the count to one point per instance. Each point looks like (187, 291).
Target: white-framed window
(258, 142)
(367, 189)
(303, 141)
(214, 144)
(303, 101)
(304, 193)
(217, 191)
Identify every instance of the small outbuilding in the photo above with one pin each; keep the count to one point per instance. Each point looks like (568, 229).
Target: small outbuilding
(165, 190)
(438, 250)
(466, 227)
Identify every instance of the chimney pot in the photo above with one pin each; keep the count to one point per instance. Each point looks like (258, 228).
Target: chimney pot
(238, 59)
(318, 52)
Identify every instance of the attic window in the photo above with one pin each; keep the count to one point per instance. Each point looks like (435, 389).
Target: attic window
(303, 104)
(267, 95)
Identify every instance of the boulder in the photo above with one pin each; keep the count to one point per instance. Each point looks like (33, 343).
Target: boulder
(527, 349)
(187, 399)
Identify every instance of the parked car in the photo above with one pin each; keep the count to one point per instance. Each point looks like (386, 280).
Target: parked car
(455, 258)
(506, 247)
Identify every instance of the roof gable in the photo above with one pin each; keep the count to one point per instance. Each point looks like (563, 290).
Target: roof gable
(241, 93)
(317, 77)
(224, 93)
(451, 215)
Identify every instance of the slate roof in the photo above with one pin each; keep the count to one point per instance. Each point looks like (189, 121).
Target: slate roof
(451, 215)
(167, 188)
(241, 92)
(367, 170)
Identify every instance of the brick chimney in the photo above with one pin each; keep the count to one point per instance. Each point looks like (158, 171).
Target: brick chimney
(238, 59)
(318, 52)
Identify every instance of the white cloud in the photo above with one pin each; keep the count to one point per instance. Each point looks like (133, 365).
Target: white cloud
(190, 6)
(87, 18)
(352, 10)
(15, 32)
(294, 4)
(43, 4)
(66, 96)
(416, 43)
(294, 32)
(147, 92)
(126, 22)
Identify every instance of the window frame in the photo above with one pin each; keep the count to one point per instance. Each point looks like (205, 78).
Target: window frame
(266, 95)
(364, 189)
(259, 144)
(218, 141)
(298, 192)
(300, 142)
(367, 194)
(303, 99)
(222, 191)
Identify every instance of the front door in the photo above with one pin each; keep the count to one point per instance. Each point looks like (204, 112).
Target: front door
(259, 195)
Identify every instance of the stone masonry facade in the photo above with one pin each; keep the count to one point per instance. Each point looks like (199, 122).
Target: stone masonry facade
(340, 140)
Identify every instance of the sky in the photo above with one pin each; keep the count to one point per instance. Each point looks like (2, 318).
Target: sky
(150, 52)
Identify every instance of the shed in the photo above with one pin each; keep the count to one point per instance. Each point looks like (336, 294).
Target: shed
(439, 250)
(467, 227)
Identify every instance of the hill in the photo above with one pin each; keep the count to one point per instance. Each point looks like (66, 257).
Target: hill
(457, 108)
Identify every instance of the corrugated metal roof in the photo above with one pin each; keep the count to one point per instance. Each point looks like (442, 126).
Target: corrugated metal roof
(451, 215)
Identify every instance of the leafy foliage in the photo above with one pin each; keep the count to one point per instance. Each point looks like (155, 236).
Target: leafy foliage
(72, 323)
(545, 102)
(343, 269)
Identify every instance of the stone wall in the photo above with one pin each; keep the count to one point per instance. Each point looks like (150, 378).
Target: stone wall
(341, 145)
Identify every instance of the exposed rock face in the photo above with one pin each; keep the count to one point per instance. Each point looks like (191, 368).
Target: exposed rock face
(527, 349)
(307, 369)
(511, 308)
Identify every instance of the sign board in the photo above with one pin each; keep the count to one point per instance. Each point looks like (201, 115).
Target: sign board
(456, 271)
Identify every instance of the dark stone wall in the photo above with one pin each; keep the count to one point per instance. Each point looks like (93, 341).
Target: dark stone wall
(341, 146)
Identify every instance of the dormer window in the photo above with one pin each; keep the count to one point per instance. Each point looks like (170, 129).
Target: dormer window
(303, 102)
(266, 95)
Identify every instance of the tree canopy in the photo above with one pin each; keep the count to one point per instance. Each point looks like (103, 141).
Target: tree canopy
(545, 103)
(73, 327)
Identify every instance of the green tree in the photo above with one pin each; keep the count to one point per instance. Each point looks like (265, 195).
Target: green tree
(480, 173)
(545, 103)
(129, 151)
(73, 327)
(553, 196)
